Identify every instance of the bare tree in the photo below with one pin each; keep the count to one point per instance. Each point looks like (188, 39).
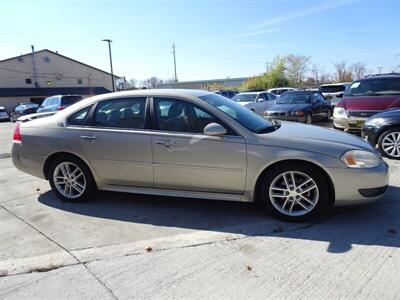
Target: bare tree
(319, 75)
(297, 67)
(342, 71)
(152, 82)
(358, 70)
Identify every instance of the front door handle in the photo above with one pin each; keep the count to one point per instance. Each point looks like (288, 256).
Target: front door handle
(167, 144)
(88, 137)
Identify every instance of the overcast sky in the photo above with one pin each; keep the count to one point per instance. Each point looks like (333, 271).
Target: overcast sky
(214, 39)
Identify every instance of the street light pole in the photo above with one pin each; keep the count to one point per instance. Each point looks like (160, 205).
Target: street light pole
(112, 73)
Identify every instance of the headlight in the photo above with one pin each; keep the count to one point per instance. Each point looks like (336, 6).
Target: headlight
(298, 113)
(375, 122)
(339, 112)
(361, 159)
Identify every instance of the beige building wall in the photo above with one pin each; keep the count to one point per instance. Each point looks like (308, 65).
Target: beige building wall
(52, 71)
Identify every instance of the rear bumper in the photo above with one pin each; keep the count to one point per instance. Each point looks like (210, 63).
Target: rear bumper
(27, 162)
(358, 186)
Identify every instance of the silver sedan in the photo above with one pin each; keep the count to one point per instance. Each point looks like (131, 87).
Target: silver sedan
(197, 144)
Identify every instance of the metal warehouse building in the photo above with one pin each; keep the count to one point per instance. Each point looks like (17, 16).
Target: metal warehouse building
(203, 84)
(34, 76)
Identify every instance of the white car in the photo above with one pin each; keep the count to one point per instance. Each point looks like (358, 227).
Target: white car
(281, 90)
(334, 91)
(255, 101)
(4, 114)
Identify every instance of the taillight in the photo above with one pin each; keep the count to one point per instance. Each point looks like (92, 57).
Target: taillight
(61, 107)
(17, 135)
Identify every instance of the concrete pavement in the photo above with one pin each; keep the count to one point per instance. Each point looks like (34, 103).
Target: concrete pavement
(121, 246)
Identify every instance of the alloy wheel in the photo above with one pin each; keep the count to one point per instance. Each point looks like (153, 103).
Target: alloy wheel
(69, 180)
(308, 119)
(391, 144)
(294, 193)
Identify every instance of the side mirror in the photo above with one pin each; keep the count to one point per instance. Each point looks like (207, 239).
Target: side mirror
(214, 129)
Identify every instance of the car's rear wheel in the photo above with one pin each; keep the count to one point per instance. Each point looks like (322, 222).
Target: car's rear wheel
(70, 179)
(328, 115)
(295, 192)
(389, 143)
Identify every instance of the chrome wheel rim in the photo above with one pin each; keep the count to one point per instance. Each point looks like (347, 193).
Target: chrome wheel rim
(308, 119)
(294, 193)
(391, 144)
(69, 180)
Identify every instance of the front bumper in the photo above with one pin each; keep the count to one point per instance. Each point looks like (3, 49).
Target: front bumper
(358, 186)
(350, 123)
(287, 118)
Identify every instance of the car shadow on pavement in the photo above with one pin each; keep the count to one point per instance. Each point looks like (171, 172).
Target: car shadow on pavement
(377, 223)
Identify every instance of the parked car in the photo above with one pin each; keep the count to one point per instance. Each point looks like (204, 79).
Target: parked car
(365, 98)
(23, 109)
(383, 129)
(334, 91)
(203, 146)
(226, 93)
(59, 102)
(257, 102)
(34, 116)
(300, 106)
(4, 116)
(281, 90)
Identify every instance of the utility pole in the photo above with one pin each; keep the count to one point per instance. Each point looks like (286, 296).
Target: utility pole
(267, 66)
(173, 52)
(112, 73)
(380, 69)
(34, 67)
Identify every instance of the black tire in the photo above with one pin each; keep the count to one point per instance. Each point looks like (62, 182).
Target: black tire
(90, 187)
(382, 137)
(310, 117)
(323, 204)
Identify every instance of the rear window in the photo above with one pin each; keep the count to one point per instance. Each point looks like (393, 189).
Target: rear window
(332, 88)
(2, 110)
(68, 100)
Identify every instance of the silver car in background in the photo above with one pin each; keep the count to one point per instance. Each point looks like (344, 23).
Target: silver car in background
(257, 102)
(197, 144)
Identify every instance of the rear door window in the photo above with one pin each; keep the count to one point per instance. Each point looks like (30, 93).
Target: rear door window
(126, 113)
(79, 118)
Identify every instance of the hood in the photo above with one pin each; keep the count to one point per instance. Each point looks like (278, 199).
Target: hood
(290, 107)
(370, 102)
(388, 114)
(314, 139)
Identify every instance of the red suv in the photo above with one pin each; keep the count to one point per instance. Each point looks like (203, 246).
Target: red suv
(366, 97)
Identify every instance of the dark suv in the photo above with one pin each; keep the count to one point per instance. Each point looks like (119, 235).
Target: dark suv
(366, 97)
(58, 102)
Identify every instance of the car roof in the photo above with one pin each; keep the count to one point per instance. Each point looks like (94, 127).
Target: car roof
(2, 107)
(335, 84)
(251, 93)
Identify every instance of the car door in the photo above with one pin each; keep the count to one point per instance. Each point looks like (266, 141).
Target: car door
(117, 143)
(317, 106)
(186, 159)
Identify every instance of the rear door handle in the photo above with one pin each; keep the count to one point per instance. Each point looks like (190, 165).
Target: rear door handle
(88, 137)
(167, 144)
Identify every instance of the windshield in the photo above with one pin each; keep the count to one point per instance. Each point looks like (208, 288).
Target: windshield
(375, 87)
(289, 98)
(332, 88)
(244, 97)
(240, 114)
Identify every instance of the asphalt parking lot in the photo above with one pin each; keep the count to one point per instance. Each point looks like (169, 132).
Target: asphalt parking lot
(123, 246)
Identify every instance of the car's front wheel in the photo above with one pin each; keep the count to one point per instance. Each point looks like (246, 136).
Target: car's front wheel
(389, 143)
(295, 192)
(308, 119)
(70, 179)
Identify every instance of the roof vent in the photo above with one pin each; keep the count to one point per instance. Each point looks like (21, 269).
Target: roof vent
(20, 59)
(46, 59)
